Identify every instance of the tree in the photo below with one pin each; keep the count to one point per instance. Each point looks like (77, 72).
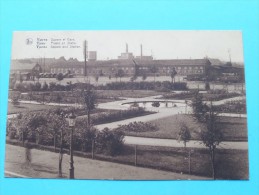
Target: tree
(37, 124)
(52, 86)
(89, 100)
(207, 86)
(37, 76)
(199, 108)
(60, 77)
(211, 134)
(133, 78)
(173, 74)
(184, 134)
(45, 87)
(153, 69)
(37, 86)
(96, 78)
(144, 76)
(120, 73)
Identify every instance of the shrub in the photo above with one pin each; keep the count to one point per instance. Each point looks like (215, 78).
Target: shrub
(45, 87)
(15, 98)
(144, 85)
(43, 127)
(20, 87)
(11, 131)
(115, 116)
(155, 104)
(137, 127)
(110, 142)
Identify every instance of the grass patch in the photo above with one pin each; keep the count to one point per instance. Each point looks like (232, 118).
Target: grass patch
(233, 129)
(23, 107)
(189, 95)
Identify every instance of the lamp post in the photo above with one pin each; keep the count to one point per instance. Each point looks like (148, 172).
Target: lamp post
(71, 122)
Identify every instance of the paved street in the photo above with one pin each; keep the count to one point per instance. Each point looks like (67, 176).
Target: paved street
(44, 165)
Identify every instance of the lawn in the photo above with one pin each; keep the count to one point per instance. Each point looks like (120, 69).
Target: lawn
(230, 164)
(22, 107)
(233, 129)
(103, 95)
(205, 96)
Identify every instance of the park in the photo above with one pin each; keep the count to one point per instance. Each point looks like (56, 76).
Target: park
(163, 128)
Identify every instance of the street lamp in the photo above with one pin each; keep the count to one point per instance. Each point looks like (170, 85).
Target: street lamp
(71, 123)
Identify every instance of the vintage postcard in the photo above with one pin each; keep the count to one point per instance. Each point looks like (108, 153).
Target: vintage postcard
(127, 105)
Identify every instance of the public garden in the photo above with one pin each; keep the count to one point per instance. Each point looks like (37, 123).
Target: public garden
(179, 127)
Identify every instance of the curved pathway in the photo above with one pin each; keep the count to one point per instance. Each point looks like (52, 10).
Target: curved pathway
(161, 112)
(175, 143)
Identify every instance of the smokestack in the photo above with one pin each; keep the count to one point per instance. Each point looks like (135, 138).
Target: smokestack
(126, 47)
(141, 51)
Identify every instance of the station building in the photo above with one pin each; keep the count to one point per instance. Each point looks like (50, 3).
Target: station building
(129, 66)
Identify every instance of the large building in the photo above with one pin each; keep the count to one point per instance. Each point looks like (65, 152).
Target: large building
(130, 66)
(92, 55)
(126, 55)
(24, 70)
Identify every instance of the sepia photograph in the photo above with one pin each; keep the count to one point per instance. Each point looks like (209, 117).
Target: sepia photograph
(127, 105)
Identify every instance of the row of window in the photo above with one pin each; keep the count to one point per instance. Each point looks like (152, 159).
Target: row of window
(185, 69)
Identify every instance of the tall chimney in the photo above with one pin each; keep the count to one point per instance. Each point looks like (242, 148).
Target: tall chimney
(126, 47)
(141, 51)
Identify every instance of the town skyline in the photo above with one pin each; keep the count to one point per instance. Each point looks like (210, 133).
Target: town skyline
(222, 45)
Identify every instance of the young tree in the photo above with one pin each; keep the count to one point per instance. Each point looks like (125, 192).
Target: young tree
(45, 87)
(52, 86)
(199, 108)
(173, 74)
(184, 134)
(144, 76)
(120, 74)
(211, 134)
(89, 100)
(207, 86)
(37, 86)
(133, 78)
(59, 98)
(37, 76)
(37, 124)
(96, 78)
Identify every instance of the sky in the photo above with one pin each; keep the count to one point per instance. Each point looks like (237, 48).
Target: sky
(109, 44)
